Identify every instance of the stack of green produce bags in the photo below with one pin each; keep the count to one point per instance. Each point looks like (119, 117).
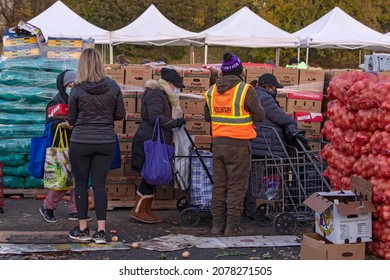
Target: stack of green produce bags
(26, 87)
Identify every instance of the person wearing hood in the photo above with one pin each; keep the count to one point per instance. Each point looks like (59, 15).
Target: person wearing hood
(64, 83)
(95, 102)
(266, 141)
(157, 102)
(232, 107)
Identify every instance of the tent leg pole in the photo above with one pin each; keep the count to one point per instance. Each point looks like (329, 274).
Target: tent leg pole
(111, 54)
(205, 54)
(360, 56)
(307, 56)
(299, 54)
(192, 54)
(277, 56)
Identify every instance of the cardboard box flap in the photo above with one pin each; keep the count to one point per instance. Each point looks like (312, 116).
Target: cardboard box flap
(308, 116)
(318, 203)
(361, 187)
(355, 208)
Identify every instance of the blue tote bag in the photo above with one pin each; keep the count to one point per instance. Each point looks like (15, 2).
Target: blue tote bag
(117, 161)
(38, 152)
(157, 168)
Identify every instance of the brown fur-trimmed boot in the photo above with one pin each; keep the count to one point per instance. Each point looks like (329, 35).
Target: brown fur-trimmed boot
(148, 210)
(139, 210)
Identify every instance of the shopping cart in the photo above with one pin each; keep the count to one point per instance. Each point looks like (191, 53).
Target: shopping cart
(1, 187)
(281, 184)
(194, 172)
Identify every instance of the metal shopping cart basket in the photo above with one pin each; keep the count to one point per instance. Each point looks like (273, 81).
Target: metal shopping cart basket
(195, 173)
(281, 184)
(1, 187)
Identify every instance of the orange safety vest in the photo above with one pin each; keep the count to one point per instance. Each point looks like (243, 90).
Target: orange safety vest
(228, 115)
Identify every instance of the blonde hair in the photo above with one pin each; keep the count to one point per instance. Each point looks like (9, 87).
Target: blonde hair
(91, 68)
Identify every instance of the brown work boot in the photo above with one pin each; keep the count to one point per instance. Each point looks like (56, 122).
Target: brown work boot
(139, 210)
(148, 210)
(218, 226)
(233, 227)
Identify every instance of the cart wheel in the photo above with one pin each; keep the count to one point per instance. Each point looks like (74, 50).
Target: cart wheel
(262, 215)
(285, 224)
(181, 204)
(1, 210)
(189, 217)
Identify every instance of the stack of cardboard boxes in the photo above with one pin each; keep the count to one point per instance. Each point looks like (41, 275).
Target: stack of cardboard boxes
(343, 223)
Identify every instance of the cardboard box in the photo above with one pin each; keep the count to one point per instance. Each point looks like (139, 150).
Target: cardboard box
(163, 193)
(197, 127)
(118, 126)
(287, 76)
(311, 80)
(59, 111)
(304, 101)
(18, 41)
(139, 101)
(202, 139)
(344, 216)
(137, 75)
(131, 127)
(310, 122)
(254, 72)
(62, 55)
(282, 100)
(192, 105)
(120, 191)
(125, 143)
(65, 42)
(130, 99)
(315, 247)
(196, 80)
(156, 70)
(22, 53)
(115, 72)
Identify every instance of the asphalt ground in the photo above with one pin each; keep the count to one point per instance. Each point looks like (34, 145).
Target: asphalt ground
(22, 215)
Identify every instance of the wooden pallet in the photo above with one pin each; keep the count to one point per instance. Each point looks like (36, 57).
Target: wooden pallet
(26, 193)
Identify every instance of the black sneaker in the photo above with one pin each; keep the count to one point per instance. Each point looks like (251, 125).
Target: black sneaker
(48, 215)
(100, 237)
(81, 235)
(75, 217)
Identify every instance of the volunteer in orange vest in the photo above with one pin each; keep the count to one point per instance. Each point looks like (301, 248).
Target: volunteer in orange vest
(232, 106)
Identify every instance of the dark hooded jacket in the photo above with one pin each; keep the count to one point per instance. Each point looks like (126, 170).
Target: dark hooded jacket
(60, 98)
(274, 117)
(93, 108)
(154, 104)
(251, 104)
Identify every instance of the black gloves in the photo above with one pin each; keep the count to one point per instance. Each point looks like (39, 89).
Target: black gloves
(180, 122)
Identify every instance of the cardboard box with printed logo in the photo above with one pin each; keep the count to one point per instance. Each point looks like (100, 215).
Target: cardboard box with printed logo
(287, 76)
(192, 105)
(198, 127)
(196, 80)
(344, 216)
(130, 99)
(254, 72)
(310, 122)
(304, 101)
(156, 70)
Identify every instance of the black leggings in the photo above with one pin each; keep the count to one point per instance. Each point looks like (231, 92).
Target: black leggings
(94, 160)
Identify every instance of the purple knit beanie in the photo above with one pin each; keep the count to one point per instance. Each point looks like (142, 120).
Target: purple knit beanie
(231, 64)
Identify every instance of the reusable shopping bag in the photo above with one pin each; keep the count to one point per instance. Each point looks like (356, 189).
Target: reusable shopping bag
(157, 168)
(117, 161)
(38, 152)
(57, 173)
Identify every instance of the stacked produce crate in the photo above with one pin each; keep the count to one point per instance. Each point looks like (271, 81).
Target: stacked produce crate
(359, 135)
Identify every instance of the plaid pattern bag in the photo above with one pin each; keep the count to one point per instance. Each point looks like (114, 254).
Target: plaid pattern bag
(201, 187)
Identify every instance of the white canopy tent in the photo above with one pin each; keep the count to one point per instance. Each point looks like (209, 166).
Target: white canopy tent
(153, 28)
(60, 21)
(337, 29)
(246, 29)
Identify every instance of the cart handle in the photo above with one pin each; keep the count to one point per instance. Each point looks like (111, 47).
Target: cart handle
(199, 156)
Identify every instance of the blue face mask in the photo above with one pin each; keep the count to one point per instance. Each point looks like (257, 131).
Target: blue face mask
(67, 90)
(176, 90)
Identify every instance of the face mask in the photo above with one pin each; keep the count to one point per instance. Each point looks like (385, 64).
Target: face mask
(176, 90)
(67, 90)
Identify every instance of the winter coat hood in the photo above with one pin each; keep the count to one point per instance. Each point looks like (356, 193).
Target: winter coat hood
(225, 83)
(97, 88)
